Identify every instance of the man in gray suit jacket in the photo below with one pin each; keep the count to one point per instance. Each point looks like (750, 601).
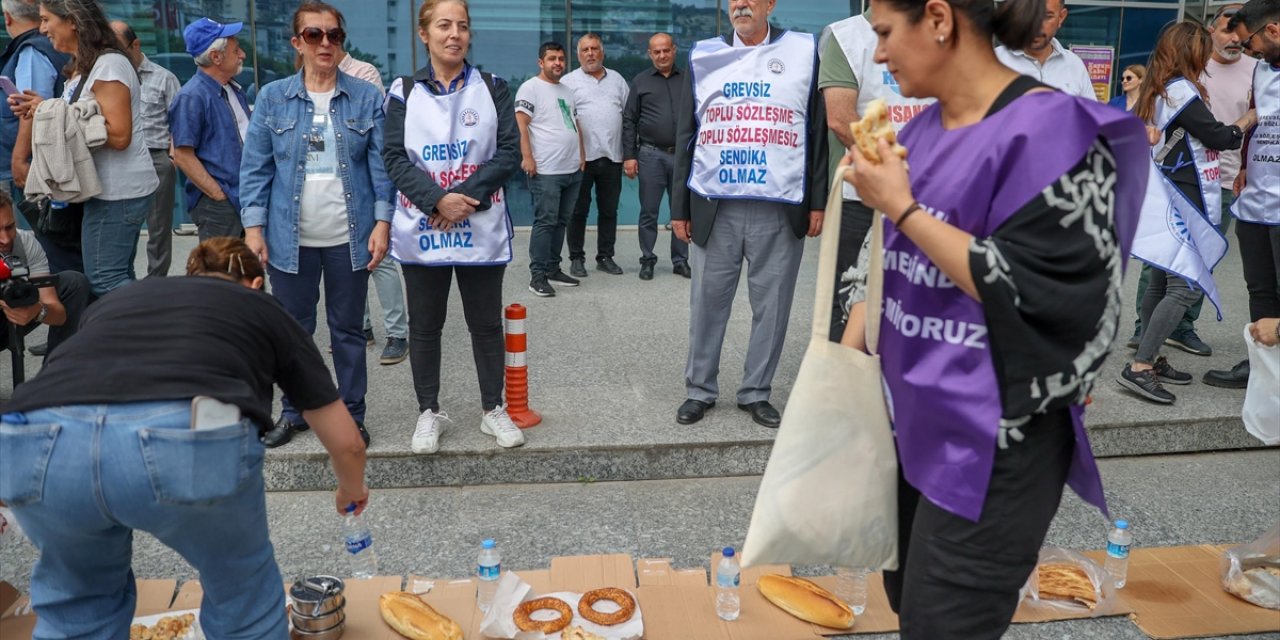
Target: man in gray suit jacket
(750, 183)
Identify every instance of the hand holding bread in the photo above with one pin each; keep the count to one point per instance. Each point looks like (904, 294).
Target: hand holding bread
(878, 161)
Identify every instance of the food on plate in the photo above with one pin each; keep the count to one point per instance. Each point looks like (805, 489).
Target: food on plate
(586, 606)
(577, 633)
(166, 628)
(415, 619)
(1062, 581)
(524, 612)
(806, 600)
(873, 127)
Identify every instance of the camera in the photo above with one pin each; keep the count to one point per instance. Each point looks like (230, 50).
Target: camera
(17, 288)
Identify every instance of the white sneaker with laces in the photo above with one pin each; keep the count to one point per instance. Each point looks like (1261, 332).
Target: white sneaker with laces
(498, 424)
(426, 435)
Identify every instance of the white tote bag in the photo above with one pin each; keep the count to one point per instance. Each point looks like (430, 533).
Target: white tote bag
(1261, 413)
(830, 491)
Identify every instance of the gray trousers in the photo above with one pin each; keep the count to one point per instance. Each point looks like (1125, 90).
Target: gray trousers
(1166, 299)
(759, 233)
(657, 171)
(160, 219)
(386, 280)
(216, 219)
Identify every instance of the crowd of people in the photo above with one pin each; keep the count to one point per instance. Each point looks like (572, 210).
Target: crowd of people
(1002, 278)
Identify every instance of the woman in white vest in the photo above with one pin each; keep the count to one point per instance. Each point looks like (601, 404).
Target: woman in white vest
(1181, 241)
(451, 143)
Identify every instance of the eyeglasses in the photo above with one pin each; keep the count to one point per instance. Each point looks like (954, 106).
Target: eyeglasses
(1244, 44)
(1128, 78)
(314, 35)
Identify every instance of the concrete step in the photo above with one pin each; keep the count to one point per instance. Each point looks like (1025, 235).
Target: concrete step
(606, 366)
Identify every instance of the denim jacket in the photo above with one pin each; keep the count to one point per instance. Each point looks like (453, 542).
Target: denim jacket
(273, 167)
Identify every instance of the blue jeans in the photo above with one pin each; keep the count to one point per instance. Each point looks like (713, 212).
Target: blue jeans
(554, 198)
(81, 479)
(344, 301)
(110, 241)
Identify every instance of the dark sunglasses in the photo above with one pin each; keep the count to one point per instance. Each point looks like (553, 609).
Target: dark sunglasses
(1244, 44)
(1128, 78)
(314, 35)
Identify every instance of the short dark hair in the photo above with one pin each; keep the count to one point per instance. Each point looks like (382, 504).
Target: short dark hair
(129, 35)
(5, 201)
(1255, 14)
(1015, 23)
(549, 46)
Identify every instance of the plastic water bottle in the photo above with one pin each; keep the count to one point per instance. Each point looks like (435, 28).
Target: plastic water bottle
(851, 586)
(728, 577)
(1118, 544)
(488, 570)
(361, 558)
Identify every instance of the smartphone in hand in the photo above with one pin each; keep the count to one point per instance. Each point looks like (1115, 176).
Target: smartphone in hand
(9, 87)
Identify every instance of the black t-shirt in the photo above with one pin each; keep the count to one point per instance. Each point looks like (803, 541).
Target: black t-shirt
(176, 338)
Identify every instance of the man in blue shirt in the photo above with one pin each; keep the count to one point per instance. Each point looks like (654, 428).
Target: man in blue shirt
(208, 120)
(30, 61)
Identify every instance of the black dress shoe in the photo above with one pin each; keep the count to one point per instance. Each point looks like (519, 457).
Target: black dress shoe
(763, 413)
(281, 433)
(1236, 378)
(608, 266)
(646, 272)
(692, 411)
(364, 435)
(682, 270)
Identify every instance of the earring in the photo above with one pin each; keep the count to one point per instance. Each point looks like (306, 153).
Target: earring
(942, 39)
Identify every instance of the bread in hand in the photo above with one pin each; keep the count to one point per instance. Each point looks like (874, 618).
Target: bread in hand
(873, 127)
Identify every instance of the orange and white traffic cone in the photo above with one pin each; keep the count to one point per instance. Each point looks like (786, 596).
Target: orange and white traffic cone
(517, 373)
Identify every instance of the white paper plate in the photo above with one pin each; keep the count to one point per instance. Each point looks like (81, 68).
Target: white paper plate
(194, 633)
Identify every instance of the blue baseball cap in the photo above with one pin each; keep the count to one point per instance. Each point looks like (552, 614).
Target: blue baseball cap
(200, 34)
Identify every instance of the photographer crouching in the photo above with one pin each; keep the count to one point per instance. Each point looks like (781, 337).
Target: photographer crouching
(29, 295)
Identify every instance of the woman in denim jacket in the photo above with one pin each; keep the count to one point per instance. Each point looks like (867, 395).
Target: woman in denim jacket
(311, 173)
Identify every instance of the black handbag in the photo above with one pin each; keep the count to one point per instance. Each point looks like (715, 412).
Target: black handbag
(57, 224)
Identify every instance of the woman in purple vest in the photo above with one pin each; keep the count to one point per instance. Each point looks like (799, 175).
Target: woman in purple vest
(1004, 249)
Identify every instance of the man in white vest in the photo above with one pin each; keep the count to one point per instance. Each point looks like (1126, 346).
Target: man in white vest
(1257, 206)
(1047, 60)
(850, 78)
(750, 184)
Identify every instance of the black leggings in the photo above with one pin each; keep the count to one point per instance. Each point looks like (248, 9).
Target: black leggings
(960, 579)
(427, 294)
(1260, 257)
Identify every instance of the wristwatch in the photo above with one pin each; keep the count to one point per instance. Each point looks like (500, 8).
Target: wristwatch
(44, 311)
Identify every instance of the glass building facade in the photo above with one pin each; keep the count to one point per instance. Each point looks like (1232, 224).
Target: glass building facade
(506, 35)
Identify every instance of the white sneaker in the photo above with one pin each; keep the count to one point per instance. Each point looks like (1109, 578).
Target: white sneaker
(499, 425)
(426, 435)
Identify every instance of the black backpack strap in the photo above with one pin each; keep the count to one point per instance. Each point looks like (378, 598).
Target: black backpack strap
(1019, 86)
(75, 95)
(488, 82)
(406, 87)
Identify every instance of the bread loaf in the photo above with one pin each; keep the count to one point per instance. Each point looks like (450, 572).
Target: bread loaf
(807, 601)
(415, 619)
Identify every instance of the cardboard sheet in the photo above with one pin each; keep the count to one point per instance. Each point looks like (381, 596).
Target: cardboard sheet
(1176, 592)
(154, 596)
(876, 618)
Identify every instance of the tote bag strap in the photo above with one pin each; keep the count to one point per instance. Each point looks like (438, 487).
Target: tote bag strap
(830, 245)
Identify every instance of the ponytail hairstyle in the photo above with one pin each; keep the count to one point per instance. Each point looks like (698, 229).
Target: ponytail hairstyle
(1015, 23)
(228, 258)
(1182, 51)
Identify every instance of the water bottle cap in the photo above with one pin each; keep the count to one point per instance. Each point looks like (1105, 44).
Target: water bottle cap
(728, 552)
(351, 507)
(1122, 524)
(488, 544)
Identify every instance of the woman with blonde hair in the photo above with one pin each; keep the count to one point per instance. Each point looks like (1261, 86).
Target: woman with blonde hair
(451, 214)
(1130, 82)
(107, 440)
(1173, 100)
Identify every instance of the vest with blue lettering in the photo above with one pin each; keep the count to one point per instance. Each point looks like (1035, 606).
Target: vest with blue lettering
(448, 137)
(1259, 202)
(751, 103)
(1180, 94)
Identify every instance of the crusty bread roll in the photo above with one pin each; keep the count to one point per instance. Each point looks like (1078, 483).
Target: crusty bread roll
(807, 601)
(415, 619)
(873, 127)
(1063, 581)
